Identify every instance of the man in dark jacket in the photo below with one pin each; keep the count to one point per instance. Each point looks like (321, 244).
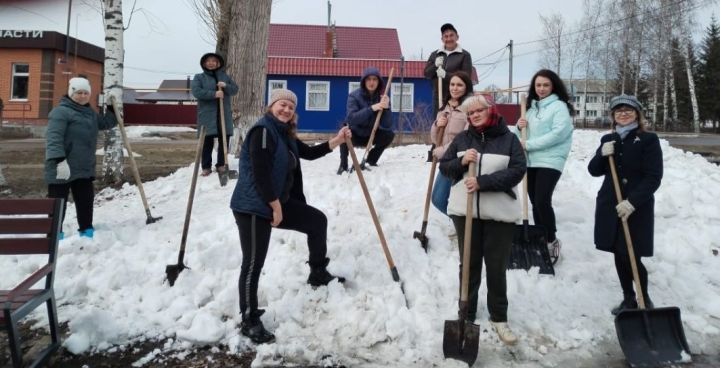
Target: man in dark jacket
(209, 87)
(446, 60)
(363, 105)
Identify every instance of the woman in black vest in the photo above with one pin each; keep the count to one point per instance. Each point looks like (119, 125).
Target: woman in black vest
(270, 194)
(639, 163)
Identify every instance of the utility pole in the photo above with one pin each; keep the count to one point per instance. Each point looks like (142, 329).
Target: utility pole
(67, 32)
(510, 85)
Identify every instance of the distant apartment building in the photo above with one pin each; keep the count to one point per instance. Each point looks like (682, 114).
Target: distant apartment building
(590, 97)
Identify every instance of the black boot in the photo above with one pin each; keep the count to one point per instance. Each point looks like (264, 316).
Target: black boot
(252, 327)
(320, 276)
(628, 302)
(343, 168)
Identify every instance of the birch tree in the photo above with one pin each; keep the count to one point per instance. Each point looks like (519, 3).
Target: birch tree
(553, 25)
(246, 59)
(113, 82)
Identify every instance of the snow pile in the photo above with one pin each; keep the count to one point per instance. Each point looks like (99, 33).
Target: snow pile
(111, 289)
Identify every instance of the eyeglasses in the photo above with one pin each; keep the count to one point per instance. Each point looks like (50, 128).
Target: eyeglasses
(624, 111)
(477, 111)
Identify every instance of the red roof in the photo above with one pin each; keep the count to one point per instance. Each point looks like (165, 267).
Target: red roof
(299, 40)
(340, 67)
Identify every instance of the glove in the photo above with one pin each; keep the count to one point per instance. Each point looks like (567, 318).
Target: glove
(441, 73)
(624, 209)
(63, 171)
(439, 61)
(608, 148)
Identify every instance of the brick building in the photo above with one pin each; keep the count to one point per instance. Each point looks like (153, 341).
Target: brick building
(34, 73)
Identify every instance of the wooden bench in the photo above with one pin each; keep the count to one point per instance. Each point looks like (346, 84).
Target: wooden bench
(30, 226)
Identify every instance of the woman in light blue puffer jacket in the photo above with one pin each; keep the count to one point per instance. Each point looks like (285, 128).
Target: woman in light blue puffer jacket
(549, 138)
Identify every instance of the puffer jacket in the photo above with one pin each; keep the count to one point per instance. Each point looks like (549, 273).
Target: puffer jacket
(457, 122)
(360, 116)
(501, 168)
(203, 87)
(72, 135)
(550, 131)
(455, 60)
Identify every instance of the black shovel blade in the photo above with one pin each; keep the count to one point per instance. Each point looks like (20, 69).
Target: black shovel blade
(461, 341)
(172, 272)
(233, 174)
(419, 235)
(652, 337)
(529, 249)
(223, 176)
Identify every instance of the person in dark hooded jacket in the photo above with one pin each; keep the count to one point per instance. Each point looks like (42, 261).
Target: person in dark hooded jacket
(71, 138)
(208, 88)
(501, 166)
(639, 161)
(270, 194)
(363, 105)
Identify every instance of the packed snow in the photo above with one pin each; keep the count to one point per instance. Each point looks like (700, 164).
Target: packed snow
(112, 290)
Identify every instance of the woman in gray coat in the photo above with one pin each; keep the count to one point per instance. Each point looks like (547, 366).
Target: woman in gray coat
(70, 151)
(209, 87)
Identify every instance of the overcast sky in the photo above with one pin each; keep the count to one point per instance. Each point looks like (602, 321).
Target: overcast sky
(165, 39)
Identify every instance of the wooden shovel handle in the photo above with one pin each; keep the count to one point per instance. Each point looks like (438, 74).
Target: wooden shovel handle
(431, 181)
(467, 241)
(222, 127)
(523, 134)
(628, 240)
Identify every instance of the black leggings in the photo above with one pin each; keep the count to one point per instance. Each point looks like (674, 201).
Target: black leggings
(255, 241)
(207, 151)
(383, 139)
(83, 194)
(541, 185)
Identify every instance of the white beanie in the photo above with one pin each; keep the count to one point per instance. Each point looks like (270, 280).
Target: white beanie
(282, 94)
(78, 84)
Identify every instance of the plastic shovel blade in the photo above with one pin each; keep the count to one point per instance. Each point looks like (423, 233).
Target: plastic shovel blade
(529, 249)
(461, 340)
(652, 337)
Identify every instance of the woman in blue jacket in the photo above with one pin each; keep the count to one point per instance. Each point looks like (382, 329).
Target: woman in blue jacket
(270, 194)
(70, 151)
(639, 163)
(549, 138)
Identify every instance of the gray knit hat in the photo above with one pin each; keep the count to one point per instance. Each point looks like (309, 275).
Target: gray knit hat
(629, 100)
(282, 94)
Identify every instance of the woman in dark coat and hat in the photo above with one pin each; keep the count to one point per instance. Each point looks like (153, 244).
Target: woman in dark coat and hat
(639, 163)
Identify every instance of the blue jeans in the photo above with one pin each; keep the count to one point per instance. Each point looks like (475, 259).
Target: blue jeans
(441, 192)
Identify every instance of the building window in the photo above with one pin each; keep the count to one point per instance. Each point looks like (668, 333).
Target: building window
(576, 99)
(317, 96)
(275, 84)
(591, 113)
(20, 81)
(592, 99)
(407, 97)
(353, 86)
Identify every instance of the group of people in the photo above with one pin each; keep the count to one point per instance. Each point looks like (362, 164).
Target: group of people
(269, 192)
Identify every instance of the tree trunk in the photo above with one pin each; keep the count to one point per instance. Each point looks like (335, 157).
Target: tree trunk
(113, 82)
(223, 27)
(247, 56)
(666, 93)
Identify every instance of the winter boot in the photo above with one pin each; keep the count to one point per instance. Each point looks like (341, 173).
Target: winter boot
(554, 250)
(504, 332)
(319, 275)
(628, 302)
(88, 233)
(342, 169)
(252, 327)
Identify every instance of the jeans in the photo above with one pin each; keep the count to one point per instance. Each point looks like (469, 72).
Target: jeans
(441, 192)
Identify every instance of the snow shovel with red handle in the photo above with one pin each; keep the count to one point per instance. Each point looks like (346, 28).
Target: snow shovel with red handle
(420, 235)
(378, 227)
(529, 246)
(172, 271)
(462, 337)
(649, 337)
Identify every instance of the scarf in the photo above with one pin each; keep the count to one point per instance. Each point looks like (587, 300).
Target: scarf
(624, 130)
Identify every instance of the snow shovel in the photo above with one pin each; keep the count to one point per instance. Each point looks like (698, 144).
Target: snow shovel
(371, 207)
(226, 173)
(529, 247)
(150, 219)
(377, 121)
(649, 337)
(461, 338)
(420, 235)
(173, 271)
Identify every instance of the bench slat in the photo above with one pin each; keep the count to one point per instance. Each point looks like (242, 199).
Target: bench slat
(25, 246)
(27, 206)
(25, 225)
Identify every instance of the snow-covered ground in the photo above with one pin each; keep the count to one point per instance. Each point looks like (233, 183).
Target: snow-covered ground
(111, 289)
(153, 131)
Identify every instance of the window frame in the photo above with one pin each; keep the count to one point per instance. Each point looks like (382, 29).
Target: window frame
(326, 106)
(353, 86)
(395, 87)
(15, 74)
